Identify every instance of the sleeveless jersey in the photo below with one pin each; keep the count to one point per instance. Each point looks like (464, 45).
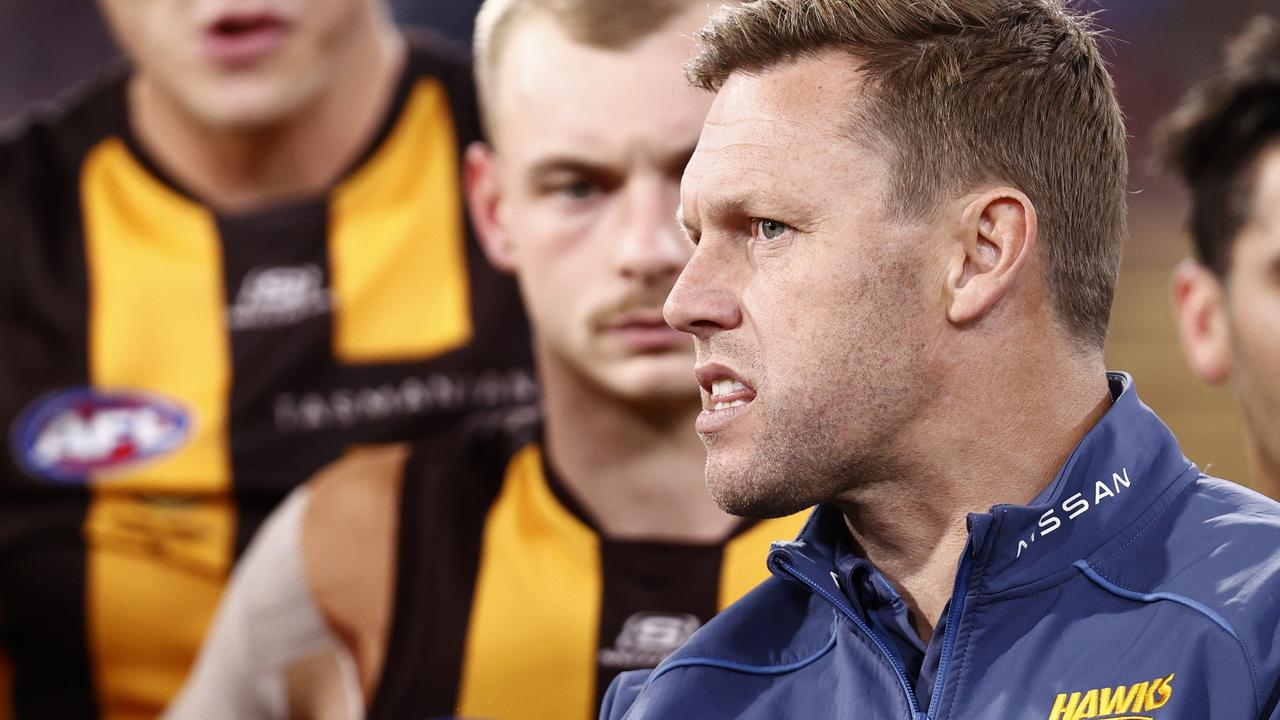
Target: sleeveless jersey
(510, 604)
(168, 374)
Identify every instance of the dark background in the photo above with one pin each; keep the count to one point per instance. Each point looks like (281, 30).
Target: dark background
(1156, 48)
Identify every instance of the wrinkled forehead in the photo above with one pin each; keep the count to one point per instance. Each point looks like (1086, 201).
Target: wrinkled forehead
(786, 130)
(551, 89)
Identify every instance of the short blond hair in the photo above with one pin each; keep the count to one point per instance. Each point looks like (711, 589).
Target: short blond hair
(613, 24)
(965, 91)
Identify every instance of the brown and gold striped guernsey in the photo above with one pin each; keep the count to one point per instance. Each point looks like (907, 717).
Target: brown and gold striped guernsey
(168, 374)
(510, 603)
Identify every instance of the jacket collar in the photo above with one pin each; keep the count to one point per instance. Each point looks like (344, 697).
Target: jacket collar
(1121, 468)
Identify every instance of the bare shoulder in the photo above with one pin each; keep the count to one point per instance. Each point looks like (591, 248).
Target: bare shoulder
(349, 550)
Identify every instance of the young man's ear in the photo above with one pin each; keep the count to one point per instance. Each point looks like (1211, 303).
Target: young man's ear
(1199, 307)
(485, 203)
(996, 236)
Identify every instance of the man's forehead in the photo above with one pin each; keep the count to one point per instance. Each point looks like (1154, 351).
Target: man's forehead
(549, 86)
(797, 107)
(760, 130)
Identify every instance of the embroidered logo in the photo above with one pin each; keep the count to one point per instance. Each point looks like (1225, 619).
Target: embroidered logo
(68, 435)
(647, 638)
(1123, 702)
(276, 296)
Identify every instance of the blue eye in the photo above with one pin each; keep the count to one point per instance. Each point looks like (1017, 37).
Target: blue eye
(579, 190)
(771, 229)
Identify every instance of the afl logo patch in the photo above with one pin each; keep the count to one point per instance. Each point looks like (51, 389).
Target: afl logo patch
(67, 435)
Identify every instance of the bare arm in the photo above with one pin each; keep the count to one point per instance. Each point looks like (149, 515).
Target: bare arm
(349, 553)
(301, 629)
(266, 623)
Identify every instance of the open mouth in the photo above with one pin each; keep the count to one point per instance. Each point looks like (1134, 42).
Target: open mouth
(723, 389)
(243, 38)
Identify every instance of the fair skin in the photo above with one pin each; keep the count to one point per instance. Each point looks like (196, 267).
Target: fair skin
(848, 356)
(1230, 327)
(234, 98)
(580, 206)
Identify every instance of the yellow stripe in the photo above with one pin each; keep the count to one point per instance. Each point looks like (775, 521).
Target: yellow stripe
(744, 557)
(531, 642)
(397, 249)
(155, 568)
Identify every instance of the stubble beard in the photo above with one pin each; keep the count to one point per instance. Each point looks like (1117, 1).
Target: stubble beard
(797, 464)
(817, 449)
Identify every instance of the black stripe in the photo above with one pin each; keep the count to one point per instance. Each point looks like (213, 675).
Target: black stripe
(43, 333)
(651, 584)
(42, 591)
(270, 357)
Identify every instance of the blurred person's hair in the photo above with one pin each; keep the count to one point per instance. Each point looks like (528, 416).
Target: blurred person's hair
(1213, 139)
(609, 24)
(960, 92)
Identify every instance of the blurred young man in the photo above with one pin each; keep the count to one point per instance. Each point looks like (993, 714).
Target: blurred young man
(1224, 142)
(223, 266)
(511, 574)
(908, 219)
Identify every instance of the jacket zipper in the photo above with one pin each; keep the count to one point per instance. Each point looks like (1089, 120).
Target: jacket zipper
(954, 611)
(858, 622)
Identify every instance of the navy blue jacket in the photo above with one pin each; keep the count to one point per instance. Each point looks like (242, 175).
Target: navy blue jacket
(1133, 587)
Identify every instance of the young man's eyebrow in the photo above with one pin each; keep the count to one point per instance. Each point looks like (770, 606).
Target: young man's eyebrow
(564, 164)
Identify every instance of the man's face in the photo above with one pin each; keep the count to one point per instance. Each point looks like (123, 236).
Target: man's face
(1253, 310)
(805, 296)
(236, 63)
(589, 148)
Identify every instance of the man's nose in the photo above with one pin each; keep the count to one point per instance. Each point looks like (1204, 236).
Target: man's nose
(704, 299)
(651, 248)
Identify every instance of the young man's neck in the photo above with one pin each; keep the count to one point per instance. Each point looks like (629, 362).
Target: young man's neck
(638, 471)
(994, 442)
(242, 169)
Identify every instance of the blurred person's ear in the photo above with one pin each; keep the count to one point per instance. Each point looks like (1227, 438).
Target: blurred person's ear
(485, 203)
(1200, 310)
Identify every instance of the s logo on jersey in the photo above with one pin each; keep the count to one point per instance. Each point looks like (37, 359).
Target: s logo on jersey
(68, 435)
(647, 638)
(1123, 702)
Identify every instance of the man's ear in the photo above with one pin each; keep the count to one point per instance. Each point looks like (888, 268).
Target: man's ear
(996, 237)
(485, 203)
(1199, 307)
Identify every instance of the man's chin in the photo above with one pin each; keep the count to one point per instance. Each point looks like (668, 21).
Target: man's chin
(747, 497)
(647, 382)
(246, 104)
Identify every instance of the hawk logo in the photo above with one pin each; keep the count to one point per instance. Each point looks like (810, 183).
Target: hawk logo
(1123, 702)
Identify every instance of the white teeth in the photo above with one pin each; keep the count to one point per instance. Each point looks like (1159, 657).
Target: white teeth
(726, 387)
(726, 405)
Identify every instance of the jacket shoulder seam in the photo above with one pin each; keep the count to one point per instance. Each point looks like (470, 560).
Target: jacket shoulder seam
(744, 667)
(1110, 585)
